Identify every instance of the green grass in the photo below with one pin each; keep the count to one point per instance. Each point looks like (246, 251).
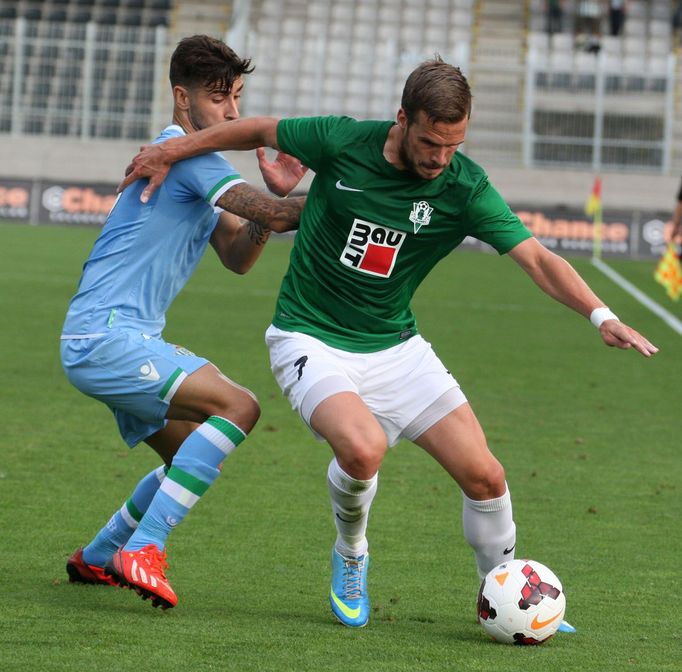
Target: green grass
(589, 436)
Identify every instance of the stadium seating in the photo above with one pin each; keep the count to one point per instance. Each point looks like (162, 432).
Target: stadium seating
(84, 10)
(320, 57)
(634, 69)
(352, 55)
(647, 34)
(53, 50)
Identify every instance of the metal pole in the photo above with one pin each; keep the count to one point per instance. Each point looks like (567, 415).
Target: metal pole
(251, 48)
(529, 109)
(321, 48)
(239, 26)
(634, 235)
(392, 67)
(17, 78)
(88, 70)
(319, 72)
(159, 63)
(598, 137)
(461, 56)
(669, 113)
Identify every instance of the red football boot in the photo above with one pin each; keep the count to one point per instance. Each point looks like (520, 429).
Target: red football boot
(143, 571)
(80, 572)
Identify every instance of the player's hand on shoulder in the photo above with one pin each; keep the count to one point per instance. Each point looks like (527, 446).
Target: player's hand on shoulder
(282, 174)
(617, 334)
(151, 163)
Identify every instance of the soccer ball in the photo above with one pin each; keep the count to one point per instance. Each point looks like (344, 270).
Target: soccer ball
(521, 602)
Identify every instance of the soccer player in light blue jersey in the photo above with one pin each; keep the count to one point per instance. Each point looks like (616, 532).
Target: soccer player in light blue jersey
(112, 347)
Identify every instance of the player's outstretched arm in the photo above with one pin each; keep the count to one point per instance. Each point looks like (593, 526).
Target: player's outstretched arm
(154, 161)
(557, 278)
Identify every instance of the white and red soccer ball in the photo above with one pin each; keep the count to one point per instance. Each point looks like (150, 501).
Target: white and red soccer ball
(521, 602)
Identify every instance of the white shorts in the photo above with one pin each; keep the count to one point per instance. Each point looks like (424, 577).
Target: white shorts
(406, 387)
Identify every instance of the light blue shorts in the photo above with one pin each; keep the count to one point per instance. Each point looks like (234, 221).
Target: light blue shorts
(135, 375)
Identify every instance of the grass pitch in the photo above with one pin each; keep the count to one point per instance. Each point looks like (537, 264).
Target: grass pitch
(589, 436)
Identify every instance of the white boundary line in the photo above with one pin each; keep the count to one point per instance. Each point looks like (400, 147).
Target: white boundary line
(655, 308)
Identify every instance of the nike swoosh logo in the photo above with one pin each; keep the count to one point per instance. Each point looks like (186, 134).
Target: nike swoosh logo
(507, 551)
(350, 613)
(344, 188)
(538, 625)
(344, 520)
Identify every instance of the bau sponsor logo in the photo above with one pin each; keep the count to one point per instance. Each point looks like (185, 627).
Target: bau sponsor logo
(372, 248)
(76, 204)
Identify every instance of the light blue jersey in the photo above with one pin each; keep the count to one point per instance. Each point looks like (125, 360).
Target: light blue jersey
(146, 253)
(112, 348)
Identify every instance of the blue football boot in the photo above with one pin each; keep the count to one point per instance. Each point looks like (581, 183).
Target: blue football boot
(348, 594)
(565, 626)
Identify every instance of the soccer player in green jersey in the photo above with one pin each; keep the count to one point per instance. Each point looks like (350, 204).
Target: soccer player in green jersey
(388, 201)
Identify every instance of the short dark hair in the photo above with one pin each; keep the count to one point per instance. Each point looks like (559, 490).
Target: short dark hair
(203, 61)
(438, 89)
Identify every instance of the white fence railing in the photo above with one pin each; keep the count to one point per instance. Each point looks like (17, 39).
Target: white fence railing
(80, 80)
(96, 81)
(589, 112)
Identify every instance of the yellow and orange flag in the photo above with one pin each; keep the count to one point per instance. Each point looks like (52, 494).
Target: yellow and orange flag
(593, 208)
(669, 272)
(593, 205)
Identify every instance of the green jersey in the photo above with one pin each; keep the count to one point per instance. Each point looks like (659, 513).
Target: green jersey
(370, 233)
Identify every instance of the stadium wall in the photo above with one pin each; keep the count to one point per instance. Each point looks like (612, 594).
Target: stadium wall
(104, 161)
(71, 182)
(41, 157)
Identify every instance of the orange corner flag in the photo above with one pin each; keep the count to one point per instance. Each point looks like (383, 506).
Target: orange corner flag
(669, 272)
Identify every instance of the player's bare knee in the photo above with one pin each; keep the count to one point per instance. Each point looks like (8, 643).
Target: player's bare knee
(488, 482)
(362, 459)
(240, 407)
(245, 411)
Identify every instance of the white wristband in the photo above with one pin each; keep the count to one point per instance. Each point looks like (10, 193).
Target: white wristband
(600, 315)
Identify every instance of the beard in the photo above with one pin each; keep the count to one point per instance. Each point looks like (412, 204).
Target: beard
(411, 165)
(406, 159)
(198, 124)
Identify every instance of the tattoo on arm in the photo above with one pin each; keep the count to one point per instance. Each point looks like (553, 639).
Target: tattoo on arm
(258, 207)
(258, 233)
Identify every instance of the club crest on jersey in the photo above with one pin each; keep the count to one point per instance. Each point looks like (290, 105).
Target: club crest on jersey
(372, 248)
(420, 215)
